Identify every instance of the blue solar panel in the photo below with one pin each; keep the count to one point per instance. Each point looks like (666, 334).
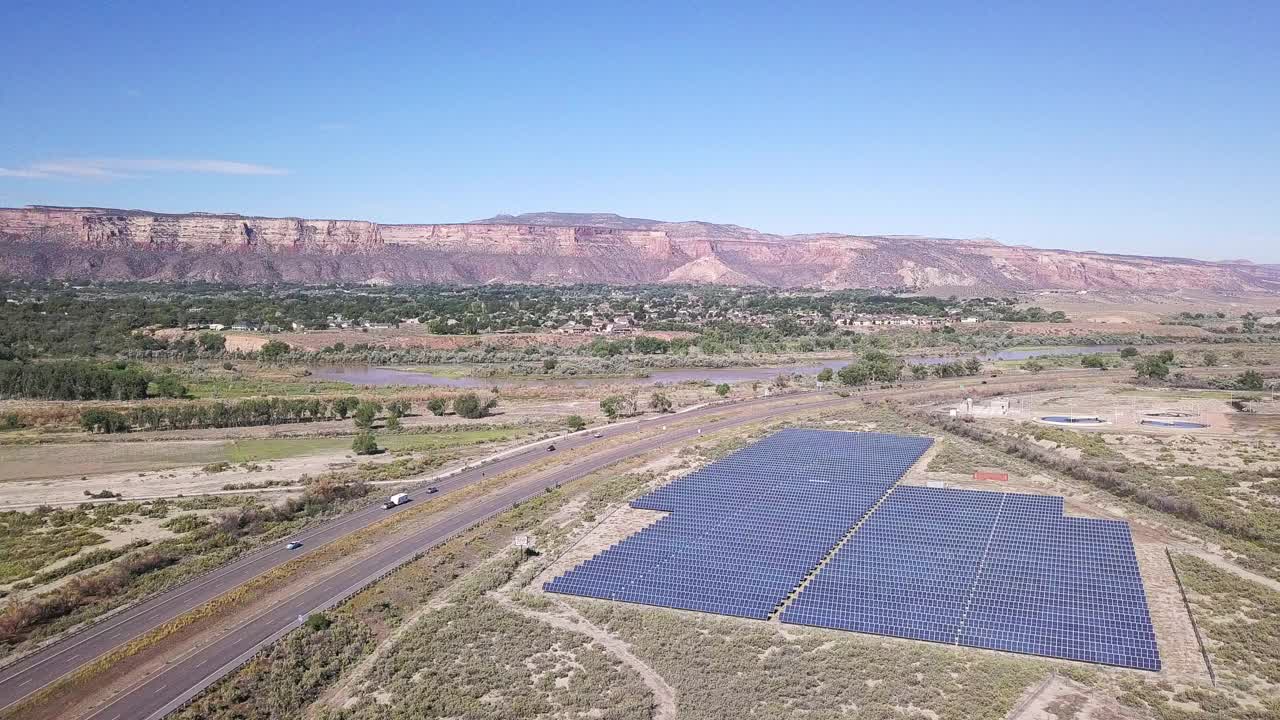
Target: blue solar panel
(744, 531)
(995, 570)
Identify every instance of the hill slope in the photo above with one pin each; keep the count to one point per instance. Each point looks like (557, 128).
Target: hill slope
(104, 244)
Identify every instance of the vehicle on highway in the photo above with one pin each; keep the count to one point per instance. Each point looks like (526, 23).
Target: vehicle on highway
(293, 545)
(598, 434)
(397, 499)
(551, 448)
(432, 489)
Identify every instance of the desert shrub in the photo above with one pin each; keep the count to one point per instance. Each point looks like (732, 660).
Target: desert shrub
(660, 402)
(185, 523)
(437, 405)
(97, 420)
(288, 676)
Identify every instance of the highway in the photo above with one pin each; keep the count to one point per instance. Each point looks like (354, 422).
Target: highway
(58, 659)
(184, 676)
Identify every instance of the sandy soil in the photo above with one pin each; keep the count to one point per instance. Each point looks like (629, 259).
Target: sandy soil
(1149, 307)
(1060, 698)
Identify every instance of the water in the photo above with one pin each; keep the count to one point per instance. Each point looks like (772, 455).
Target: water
(370, 375)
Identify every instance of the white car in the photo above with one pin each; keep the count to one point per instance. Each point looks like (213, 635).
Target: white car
(293, 545)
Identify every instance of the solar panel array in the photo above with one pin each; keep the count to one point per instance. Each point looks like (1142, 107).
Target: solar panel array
(1004, 571)
(745, 531)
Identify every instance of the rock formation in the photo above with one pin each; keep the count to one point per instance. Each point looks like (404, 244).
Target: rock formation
(102, 244)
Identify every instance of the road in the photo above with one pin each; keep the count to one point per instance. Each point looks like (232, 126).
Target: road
(55, 661)
(160, 693)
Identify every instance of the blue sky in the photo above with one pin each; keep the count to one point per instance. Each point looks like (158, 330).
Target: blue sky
(1152, 128)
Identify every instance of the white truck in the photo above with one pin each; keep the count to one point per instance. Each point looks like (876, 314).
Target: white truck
(397, 499)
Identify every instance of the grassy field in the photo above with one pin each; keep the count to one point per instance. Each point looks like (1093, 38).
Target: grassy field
(28, 462)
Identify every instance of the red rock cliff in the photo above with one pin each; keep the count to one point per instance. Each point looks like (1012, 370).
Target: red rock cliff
(94, 243)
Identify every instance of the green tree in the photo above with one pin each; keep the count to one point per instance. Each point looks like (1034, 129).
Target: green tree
(167, 385)
(365, 444)
(972, 366)
(549, 364)
(1033, 365)
(470, 406)
(1250, 380)
(1210, 358)
(366, 413)
(1151, 368)
(722, 389)
(273, 350)
(825, 374)
(1128, 352)
(212, 342)
(393, 423)
(575, 423)
(1093, 361)
(919, 372)
(614, 406)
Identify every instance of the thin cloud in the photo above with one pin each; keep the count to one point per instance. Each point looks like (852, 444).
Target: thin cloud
(22, 173)
(116, 168)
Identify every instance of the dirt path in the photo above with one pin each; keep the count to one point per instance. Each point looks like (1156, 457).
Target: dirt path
(344, 691)
(664, 695)
(1223, 563)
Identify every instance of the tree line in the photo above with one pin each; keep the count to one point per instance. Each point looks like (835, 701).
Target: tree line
(73, 380)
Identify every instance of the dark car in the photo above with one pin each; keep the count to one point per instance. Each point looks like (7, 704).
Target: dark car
(432, 489)
(294, 545)
(551, 448)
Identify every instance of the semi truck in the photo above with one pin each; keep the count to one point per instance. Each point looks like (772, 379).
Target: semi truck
(397, 499)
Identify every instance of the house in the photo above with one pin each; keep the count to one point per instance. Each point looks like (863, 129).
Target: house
(572, 328)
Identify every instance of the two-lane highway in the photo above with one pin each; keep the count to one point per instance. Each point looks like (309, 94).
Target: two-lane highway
(60, 658)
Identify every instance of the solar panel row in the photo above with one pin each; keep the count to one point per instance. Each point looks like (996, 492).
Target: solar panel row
(745, 531)
(994, 570)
